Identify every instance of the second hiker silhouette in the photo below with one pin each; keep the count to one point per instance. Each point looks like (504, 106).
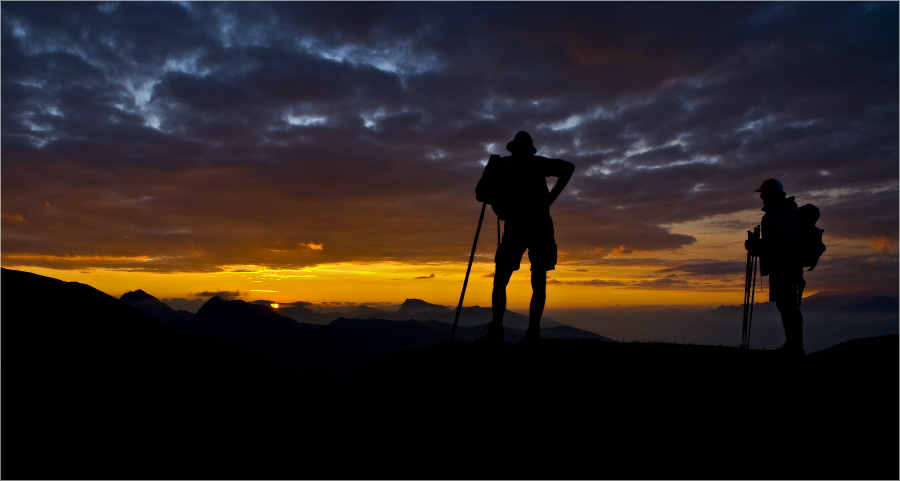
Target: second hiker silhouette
(780, 259)
(516, 187)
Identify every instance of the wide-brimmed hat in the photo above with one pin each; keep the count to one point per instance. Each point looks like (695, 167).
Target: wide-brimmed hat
(521, 143)
(770, 185)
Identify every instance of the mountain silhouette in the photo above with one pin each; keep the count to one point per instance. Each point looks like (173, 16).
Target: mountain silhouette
(367, 312)
(875, 304)
(83, 372)
(851, 303)
(299, 312)
(342, 344)
(156, 308)
(419, 309)
(96, 389)
(468, 317)
(51, 319)
(303, 347)
(410, 309)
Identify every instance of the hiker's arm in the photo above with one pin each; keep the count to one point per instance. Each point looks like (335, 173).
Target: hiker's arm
(566, 169)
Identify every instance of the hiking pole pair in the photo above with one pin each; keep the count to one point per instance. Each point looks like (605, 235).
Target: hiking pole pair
(749, 287)
(468, 270)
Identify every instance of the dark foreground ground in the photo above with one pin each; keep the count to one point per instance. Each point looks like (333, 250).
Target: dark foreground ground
(95, 389)
(563, 410)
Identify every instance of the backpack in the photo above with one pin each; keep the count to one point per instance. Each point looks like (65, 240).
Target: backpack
(488, 188)
(512, 187)
(811, 246)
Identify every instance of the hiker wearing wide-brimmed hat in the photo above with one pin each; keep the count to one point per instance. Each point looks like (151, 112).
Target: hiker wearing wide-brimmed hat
(778, 258)
(516, 188)
(521, 144)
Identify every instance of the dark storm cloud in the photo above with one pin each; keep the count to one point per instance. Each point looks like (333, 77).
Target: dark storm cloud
(706, 269)
(666, 282)
(208, 134)
(227, 295)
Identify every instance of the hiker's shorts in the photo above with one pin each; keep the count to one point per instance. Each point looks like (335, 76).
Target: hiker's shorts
(534, 235)
(784, 285)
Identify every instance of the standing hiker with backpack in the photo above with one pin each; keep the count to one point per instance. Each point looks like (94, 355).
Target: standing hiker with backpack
(516, 188)
(783, 252)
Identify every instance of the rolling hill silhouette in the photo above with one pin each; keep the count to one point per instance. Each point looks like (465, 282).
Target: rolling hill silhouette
(97, 389)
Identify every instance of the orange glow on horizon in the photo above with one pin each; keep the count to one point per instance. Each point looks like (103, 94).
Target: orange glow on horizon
(392, 283)
(623, 277)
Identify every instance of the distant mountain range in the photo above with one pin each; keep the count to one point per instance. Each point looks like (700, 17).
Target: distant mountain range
(341, 344)
(411, 309)
(846, 303)
(827, 320)
(233, 329)
(875, 304)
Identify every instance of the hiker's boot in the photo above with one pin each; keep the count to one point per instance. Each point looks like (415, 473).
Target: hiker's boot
(493, 336)
(532, 335)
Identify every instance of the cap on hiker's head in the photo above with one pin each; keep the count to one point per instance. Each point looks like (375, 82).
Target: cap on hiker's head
(521, 143)
(770, 185)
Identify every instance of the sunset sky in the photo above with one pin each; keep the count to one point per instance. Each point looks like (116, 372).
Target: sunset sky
(328, 152)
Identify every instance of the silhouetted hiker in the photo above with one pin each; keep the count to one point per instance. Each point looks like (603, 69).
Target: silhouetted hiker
(516, 188)
(777, 249)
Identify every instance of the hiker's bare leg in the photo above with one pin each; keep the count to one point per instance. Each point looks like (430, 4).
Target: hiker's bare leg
(538, 298)
(792, 320)
(498, 295)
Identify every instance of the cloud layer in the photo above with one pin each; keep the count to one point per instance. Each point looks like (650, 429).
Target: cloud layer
(200, 136)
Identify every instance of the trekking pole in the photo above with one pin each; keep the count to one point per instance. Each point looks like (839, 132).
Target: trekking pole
(752, 287)
(462, 295)
(746, 293)
(749, 290)
(752, 297)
